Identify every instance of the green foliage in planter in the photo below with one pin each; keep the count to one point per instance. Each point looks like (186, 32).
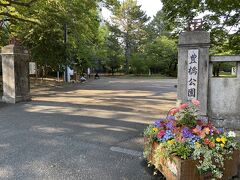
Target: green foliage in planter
(172, 147)
(183, 133)
(212, 159)
(179, 149)
(187, 116)
(206, 161)
(150, 136)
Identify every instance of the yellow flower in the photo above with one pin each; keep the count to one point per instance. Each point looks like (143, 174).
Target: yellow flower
(223, 139)
(155, 129)
(218, 139)
(170, 142)
(197, 144)
(222, 145)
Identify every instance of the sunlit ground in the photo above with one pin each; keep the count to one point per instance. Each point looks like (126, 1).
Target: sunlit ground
(128, 105)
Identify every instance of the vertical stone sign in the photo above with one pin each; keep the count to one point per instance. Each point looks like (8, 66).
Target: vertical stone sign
(192, 83)
(193, 64)
(32, 68)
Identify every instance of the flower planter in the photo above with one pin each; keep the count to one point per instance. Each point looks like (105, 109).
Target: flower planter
(189, 136)
(175, 168)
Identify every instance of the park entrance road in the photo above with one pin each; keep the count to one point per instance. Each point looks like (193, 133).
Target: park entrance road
(82, 131)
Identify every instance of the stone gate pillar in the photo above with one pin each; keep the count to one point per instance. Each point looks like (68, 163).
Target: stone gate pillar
(193, 62)
(15, 70)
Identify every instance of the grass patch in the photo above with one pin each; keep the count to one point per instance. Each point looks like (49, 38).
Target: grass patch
(223, 74)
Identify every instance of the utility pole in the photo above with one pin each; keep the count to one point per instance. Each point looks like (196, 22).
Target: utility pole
(65, 42)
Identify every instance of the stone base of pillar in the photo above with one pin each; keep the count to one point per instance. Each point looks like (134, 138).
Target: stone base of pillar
(14, 100)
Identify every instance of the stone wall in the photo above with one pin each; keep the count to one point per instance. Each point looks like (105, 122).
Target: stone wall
(224, 96)
(220, 97)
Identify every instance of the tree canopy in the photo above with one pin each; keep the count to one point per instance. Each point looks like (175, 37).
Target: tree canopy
(130, 24)
(11, 10)
(221, 18)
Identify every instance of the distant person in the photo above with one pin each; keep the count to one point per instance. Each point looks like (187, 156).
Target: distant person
(97, 76)
(89, 72)
(82, 79)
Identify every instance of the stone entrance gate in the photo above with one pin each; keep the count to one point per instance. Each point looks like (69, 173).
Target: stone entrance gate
(15, 74)
(220, 97)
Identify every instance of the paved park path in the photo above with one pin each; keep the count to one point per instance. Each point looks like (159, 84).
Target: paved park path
(82, 131)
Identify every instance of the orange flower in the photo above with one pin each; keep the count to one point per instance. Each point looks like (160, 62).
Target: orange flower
(202, 134)
(206, 130)
(206, 141)
(212, 144)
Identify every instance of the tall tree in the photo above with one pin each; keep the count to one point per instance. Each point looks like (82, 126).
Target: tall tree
(130, 22)
(114, 52)
(159, 26)
(46, 38)
(108, 51)
(39, 25)
(161, 56)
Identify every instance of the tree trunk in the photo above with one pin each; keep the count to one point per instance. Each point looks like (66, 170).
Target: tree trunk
(112, 71)
(127, 53)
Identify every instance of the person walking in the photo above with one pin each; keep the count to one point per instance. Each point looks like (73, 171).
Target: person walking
(89, 72)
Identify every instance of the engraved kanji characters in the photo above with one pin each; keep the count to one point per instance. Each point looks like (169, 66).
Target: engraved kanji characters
(193, 58)
(192, 73)
(193, 70)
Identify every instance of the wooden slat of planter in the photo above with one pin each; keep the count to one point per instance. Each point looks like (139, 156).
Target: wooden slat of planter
(178, 169)
(231, 166)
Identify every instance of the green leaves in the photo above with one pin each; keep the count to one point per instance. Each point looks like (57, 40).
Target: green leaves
(220, 17)
(11, 10)
(130, 21)
(182, 150)
(46, 38)
(161, 55)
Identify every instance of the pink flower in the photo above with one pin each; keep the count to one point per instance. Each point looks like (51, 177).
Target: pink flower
(195, 102)
(183, 106)
(161, 134)
(174, 111)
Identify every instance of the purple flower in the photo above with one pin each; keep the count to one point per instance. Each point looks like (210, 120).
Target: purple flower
(193, 139)
(211, 132)
(203, 119)
(199, 127)
(221, 130)
(157, 123)
(187, 133)
(170, 118)
(169, 125)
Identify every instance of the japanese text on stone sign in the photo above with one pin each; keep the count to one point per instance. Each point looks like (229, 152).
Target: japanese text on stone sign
(192, 81)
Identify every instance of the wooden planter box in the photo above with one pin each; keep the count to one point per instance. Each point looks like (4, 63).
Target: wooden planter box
(178, 169)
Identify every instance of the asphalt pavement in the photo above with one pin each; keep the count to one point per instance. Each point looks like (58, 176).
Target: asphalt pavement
(86, 131)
